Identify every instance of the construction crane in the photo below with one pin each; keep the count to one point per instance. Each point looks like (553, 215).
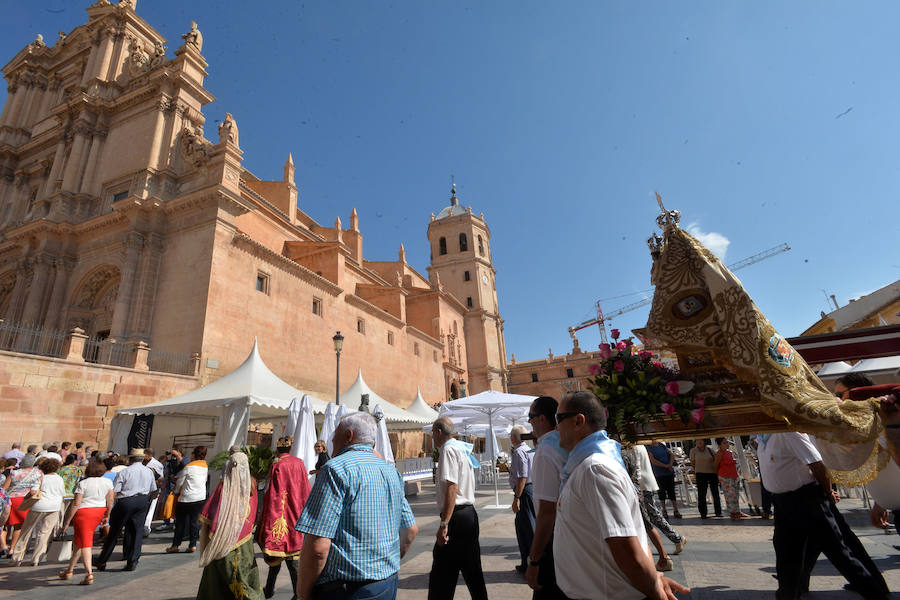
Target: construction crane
(601, 318)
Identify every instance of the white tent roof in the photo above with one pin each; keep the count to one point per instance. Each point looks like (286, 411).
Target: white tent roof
(891, 364)
(267, 395)
(490, 401)
(351, 398)
(420, 408)
(833, 368)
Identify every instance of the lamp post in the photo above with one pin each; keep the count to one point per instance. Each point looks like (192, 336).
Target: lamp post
(462, 388)
(338, 340)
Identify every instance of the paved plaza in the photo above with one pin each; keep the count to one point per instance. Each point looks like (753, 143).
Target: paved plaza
(723, 560)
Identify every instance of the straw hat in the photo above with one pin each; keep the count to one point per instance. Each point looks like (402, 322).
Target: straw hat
(137, 453)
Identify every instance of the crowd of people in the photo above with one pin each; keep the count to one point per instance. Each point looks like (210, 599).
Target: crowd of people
(587, 510)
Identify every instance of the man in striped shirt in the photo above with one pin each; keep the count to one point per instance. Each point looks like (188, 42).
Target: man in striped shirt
(357, 522)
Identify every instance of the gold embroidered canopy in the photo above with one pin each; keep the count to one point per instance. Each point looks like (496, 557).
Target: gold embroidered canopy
(701, 312)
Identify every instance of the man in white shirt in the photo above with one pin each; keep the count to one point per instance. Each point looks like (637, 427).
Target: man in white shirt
(456, 549)
(805, 519)
(546, 466)
(599, 544)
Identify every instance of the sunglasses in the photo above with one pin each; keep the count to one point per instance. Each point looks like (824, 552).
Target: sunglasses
(562, 416)
(532, 416)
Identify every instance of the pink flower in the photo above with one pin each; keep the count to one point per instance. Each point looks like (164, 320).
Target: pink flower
(605, 351)
(594, 369)
(605, 346)
(672, 388)
(619, 366)
(668, 409)
(615, 334)
(621, 346)
(656, 363)
(699, 402)
(629, 343)
(697, 415)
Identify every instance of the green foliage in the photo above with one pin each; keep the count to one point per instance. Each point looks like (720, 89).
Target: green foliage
(258, 458)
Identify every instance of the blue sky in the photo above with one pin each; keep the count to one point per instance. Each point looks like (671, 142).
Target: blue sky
(762, 122)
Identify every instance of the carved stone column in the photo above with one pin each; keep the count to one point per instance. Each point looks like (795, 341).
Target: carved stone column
(21, 90)
(87, 184)
(64, 267)
(12, 310)
(36, 294)
(11, 90)
(145, 296)
(72, 175)
(55, 170)
(134, 241)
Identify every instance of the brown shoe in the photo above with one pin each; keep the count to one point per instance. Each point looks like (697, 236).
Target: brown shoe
(665, 564)
(172, 549)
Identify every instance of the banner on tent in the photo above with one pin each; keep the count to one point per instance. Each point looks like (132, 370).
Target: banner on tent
(141, 430)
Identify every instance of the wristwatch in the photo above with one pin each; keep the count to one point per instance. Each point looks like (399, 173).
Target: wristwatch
(445, 523)
(533, 563)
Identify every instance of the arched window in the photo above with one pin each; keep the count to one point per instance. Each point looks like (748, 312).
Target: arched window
(480, 246)
(463, 242)
(442, 246)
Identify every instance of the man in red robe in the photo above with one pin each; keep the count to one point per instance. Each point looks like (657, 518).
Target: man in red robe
(288, 488)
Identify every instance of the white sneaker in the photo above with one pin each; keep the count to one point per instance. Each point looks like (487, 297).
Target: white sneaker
(680, 545)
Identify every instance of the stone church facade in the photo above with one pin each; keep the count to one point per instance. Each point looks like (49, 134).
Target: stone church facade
(120, 218)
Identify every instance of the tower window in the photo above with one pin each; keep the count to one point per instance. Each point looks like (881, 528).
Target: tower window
(317, 306)
(120, 196)
(361, 326)
(463, 242)
(480, 246)
(390, 338)
(469, 301)
(434, 355)
(534, 378)
(442, 246)
(416, 348)
(569, 373)
(262, 282)
(467, 276)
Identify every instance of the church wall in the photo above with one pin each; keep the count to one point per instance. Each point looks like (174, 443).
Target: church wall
(265, 231)
(295, 343)
(46, 399)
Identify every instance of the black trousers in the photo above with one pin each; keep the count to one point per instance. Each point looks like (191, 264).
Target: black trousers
(547, 577)
(524, 523)
(708, 481)
(130, 513)
(806, 523)
(187, 522)
(461, 554)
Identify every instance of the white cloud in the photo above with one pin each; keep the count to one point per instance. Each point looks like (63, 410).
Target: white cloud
(716, 242)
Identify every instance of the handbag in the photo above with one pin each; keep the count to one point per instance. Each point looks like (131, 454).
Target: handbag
(168, 510)
(60, 550)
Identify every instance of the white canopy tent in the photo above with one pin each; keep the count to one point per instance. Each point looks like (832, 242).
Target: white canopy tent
(490, 403)
(394, 414)
(420, 408)
(326, 434)
(252, 392)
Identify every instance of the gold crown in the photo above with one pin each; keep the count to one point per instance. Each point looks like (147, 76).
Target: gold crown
(285, 442)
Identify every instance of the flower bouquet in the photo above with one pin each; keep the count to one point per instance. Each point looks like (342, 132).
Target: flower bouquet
(635, 389)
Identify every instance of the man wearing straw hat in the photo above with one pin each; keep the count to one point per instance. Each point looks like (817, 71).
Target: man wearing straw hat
(134, 486)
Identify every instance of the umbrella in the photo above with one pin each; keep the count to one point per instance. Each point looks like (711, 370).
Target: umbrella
(341, 411)
(292, 417)
(327, 432)
(490, 403)
(304, 432)
(382, 441)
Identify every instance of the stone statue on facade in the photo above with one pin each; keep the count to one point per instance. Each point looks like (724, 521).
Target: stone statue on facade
(38, 41)
(193, 37)
(196, 148)
(62, 37)
(228, 130)
(159, 54)
(138, 58)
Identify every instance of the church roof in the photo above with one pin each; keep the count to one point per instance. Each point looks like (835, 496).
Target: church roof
(454, 209)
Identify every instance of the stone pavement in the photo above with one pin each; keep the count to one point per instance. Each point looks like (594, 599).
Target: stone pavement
(722, 560)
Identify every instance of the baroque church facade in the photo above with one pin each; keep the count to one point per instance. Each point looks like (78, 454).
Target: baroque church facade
(119, 217)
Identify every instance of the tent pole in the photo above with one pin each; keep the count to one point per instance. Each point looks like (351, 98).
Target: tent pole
(490, 432)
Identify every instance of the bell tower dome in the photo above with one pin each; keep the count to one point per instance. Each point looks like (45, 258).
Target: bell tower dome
(461, 259)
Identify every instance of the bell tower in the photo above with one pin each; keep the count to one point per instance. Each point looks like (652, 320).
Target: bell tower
(461, 260)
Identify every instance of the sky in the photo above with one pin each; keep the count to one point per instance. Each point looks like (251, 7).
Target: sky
(763, 123)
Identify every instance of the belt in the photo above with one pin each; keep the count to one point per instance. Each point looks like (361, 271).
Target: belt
(805, 489)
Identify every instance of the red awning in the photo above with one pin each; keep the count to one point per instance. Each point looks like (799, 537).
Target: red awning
(851, 344)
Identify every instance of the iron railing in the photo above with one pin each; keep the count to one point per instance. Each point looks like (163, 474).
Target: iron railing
(31, 339)
(101, 351)
(170, 362)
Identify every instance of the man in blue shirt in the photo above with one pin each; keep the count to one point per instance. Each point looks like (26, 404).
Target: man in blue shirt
(357, 522)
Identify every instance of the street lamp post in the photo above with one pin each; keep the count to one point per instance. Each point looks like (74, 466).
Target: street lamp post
(462, 388)
(338, 340)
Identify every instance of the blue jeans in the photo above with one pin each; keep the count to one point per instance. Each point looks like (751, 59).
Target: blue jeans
(386, 589)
